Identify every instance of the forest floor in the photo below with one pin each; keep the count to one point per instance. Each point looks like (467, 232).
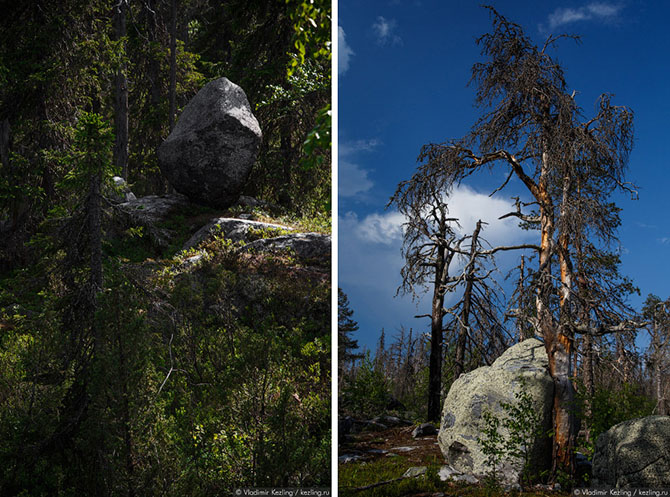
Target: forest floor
(372, 464)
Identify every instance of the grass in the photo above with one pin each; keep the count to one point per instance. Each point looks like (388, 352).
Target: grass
(356, 475)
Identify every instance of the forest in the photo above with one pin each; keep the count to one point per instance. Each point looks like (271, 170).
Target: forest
(606, 363)
(135, 359)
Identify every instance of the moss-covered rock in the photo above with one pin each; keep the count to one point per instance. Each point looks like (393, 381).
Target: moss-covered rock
(524, 365)
(634, 454)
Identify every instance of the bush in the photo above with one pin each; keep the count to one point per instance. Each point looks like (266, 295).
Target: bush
(523, 424)
(368, 393)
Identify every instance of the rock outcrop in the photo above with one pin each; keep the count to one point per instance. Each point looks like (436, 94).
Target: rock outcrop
(484, 389)
(234, 229)
(209, 154)
(634, 454)
(150, 212)
(264, 237)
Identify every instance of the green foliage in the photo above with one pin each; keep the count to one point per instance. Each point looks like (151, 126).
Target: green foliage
(91, 153)
(613, 406)
(509, 435)
(368, 393)
(311, 25)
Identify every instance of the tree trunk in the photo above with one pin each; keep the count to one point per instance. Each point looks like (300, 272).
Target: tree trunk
(435, 360)
(557, 342)
(95, 243)
(467, 301)
(173, 65)
(121, 100)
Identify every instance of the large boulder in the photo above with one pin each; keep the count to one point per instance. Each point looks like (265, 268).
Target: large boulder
(524, 365)
(634, 454)
(209, 154)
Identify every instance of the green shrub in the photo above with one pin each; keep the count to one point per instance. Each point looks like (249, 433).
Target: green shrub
(523, 425)
(368, 393)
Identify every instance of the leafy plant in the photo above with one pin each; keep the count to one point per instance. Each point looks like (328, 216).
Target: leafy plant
(368, 393)
(511, 434)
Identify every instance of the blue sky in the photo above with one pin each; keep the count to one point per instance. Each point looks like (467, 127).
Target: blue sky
(404, 66)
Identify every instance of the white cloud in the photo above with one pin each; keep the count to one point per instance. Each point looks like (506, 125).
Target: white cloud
(353, 179)
(384, 31)
(599, 11)
(346, 149)
(344, 51)
(370, 256)
(383, 229)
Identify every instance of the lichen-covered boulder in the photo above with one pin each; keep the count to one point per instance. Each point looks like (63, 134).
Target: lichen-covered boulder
(524, 364)
(209, 154)
(634, 454)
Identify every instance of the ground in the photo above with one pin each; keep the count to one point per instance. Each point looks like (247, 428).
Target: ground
(382, 456)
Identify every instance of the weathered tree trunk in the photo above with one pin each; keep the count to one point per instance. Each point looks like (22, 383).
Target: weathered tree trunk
(435, 360)
(467, 301)
(556, 337)
(121, 100)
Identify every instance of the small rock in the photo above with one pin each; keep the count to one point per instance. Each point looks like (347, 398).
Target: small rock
(415, 471)
(347, 458)
(373, 426)
(377, 451)
(121, 192)
(424, 430)
(403, 449)
(392, 421)
(447, 472)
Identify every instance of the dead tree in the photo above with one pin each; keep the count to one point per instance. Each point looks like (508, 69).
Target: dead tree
(428, 244)
(429, 247)
(658, 353)
(533, 128)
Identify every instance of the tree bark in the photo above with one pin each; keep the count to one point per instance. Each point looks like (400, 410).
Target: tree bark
(467, 301)
(435, 360)
(121, 100)
(173, 66)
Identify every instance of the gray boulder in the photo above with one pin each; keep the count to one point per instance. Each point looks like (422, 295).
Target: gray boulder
(424, 430)
(484, 389)
(150, 212)
(304, 245)
(209, 154)
(233, 229)
(634, 454)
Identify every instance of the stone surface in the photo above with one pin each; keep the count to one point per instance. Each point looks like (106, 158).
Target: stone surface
(210, 152)
(150, 211)
(415, 471)
(483, 389)
(347, 458)
(304, 245)
(391, 420)
(233, 229)
(120, 192)
(424, 430)
(634, 453)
